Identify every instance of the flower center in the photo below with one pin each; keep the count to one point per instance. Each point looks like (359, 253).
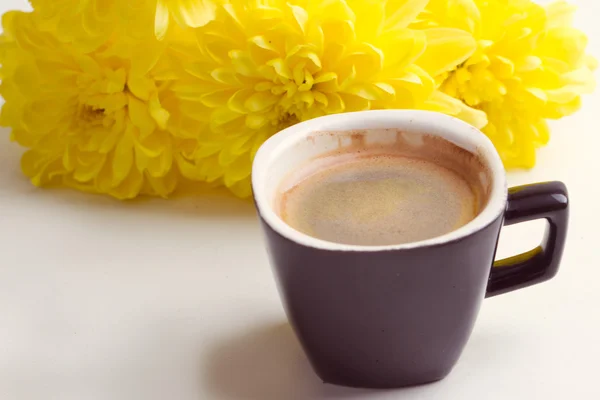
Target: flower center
(90, 115)
(475, 84)
(285, 119)
(292, 83)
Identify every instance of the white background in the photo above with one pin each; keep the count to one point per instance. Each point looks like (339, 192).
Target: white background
(174, 300)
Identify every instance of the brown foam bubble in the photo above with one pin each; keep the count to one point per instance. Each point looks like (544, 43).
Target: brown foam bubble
(416, 188)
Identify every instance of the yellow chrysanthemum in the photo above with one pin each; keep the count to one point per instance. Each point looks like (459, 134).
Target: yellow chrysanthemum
(112, 97)
(100, 122)
(260, 66)
(530, 65)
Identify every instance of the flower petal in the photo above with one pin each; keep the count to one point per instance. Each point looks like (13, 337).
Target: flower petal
(192, 13)
(140, 116)
(161, 20)
(260, 101)
(446, 49)
(123, 158)
(443, 103)
(405, 12)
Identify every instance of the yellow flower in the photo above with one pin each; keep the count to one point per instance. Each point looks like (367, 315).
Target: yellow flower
(99, 122)
(262, 65)
(530, 65)
(140, 96)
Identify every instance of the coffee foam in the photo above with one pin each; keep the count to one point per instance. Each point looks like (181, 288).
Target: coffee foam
(414, 188)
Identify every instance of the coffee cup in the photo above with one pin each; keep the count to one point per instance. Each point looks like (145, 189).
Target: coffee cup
(398, 315)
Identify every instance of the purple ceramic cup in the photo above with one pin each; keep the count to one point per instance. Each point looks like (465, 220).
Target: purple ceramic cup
(398, 315)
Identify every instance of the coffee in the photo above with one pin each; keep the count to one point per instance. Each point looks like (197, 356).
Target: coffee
(416, 188)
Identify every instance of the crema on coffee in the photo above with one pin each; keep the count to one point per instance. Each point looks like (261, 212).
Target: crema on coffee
(417, 188)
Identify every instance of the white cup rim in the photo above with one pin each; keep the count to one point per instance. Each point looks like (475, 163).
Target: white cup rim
(450, 128)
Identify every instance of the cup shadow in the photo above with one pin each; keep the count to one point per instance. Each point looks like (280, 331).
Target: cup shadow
(268, 364)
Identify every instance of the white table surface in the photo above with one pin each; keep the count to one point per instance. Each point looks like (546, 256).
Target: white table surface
(174, 300)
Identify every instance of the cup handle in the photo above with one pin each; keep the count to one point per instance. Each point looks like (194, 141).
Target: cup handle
(547, 200)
